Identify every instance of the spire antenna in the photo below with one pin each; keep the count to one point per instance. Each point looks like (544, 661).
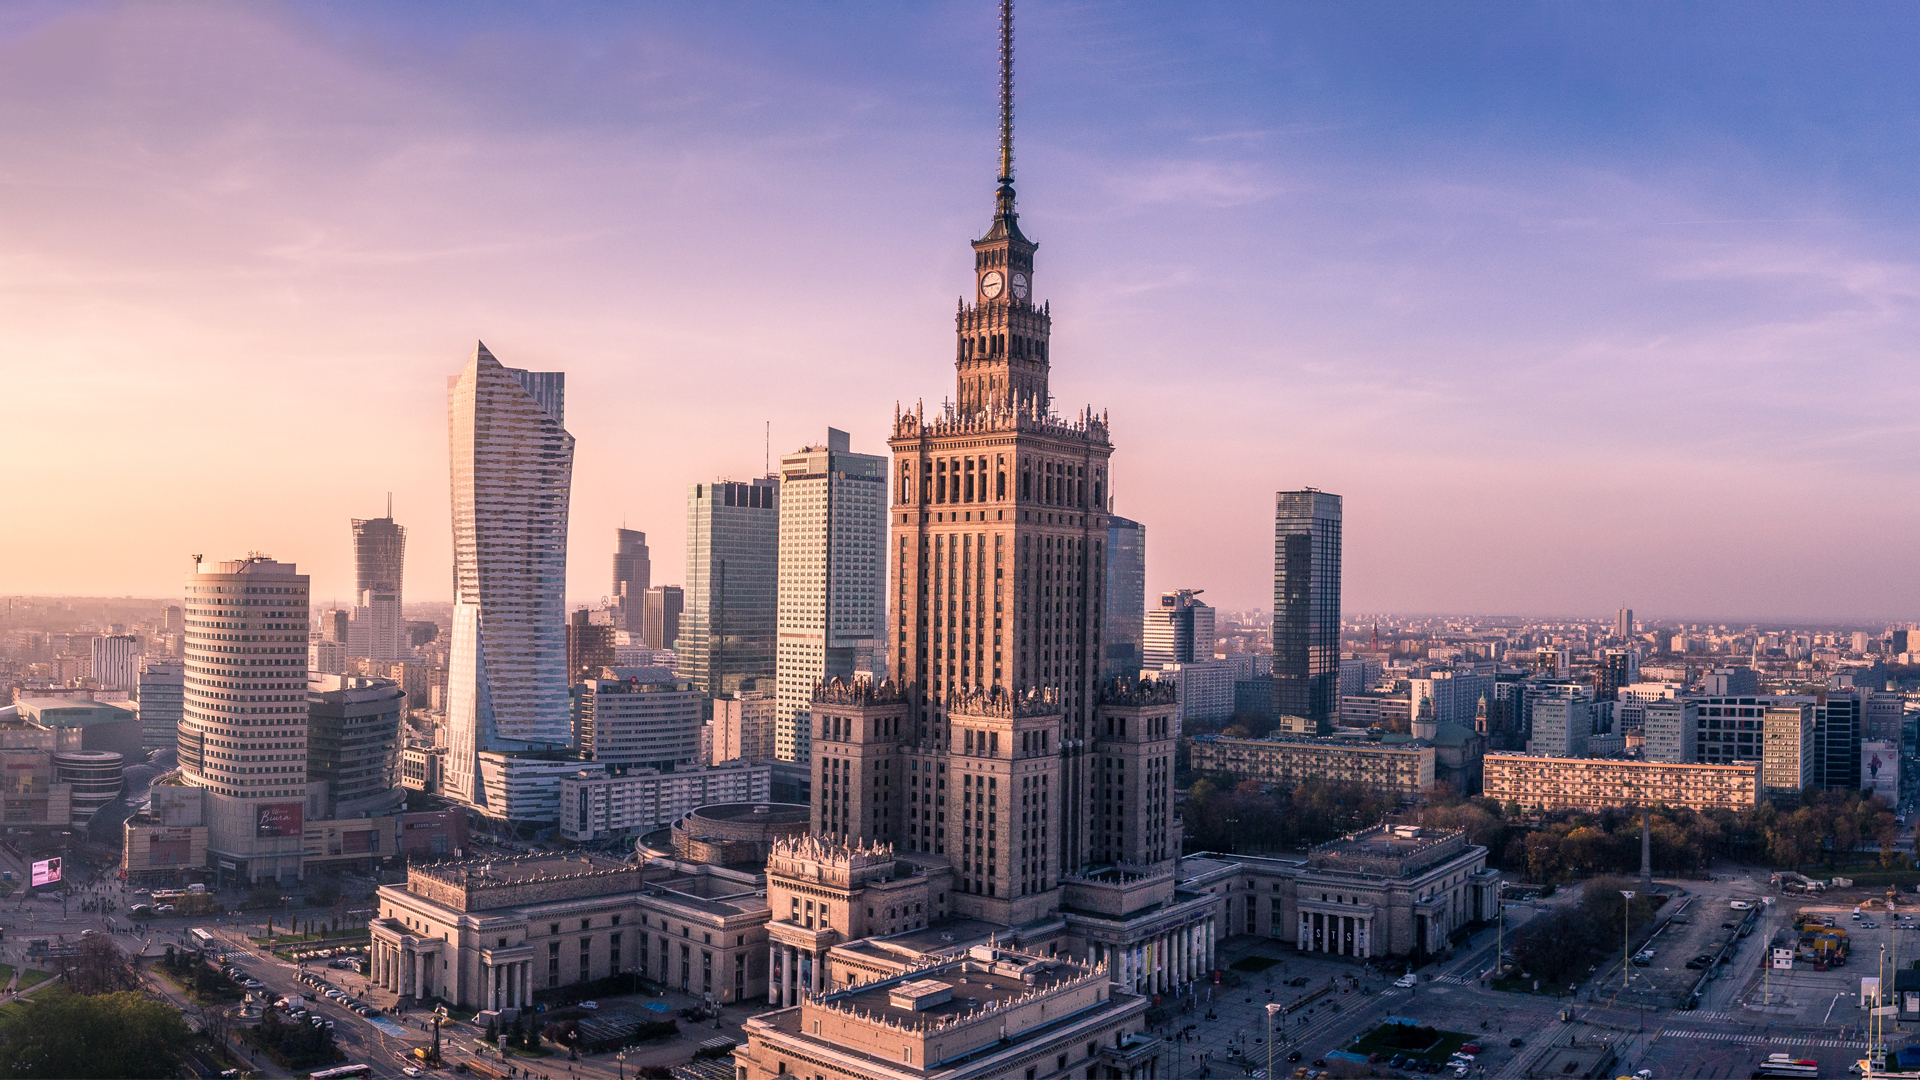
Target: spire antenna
(1006, 92)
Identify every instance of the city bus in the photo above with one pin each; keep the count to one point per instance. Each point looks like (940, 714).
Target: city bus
(201, 938)
(342, 1072)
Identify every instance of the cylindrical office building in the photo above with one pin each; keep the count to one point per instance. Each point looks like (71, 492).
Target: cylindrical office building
(97, 777)
(243, 730)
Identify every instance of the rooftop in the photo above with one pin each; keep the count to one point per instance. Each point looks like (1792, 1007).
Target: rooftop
(516, 869)
(954, 991)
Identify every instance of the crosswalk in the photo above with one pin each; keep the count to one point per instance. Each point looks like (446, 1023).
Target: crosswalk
(1760, 1040)
(1456, 980)
(1711, 1014)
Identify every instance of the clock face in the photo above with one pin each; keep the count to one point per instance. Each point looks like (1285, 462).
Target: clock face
(1020, 286)
(991, 284)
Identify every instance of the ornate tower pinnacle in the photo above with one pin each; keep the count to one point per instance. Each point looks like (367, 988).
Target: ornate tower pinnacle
(1006, 97)
(1001, 350)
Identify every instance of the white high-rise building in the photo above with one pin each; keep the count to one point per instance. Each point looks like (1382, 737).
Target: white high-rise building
(512, 477)
(832, 620)
(243, 729)
(162, 685)
(116, 662)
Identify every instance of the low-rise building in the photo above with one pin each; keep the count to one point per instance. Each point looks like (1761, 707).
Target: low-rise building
(989, 1014)
(637, 716)
(596, 806)
(422, 766)
(490, 934)
(1389, 712)
(1560, 783)
(1404, 769)
(1671, 728)
(99, 725)
(1392, 890)
(433, 834)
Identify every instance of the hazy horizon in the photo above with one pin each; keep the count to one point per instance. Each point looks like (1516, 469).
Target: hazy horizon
(1570, 304)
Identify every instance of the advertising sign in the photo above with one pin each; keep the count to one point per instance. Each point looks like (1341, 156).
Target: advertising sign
(1880, 770)
(280, 819)
(46, 872)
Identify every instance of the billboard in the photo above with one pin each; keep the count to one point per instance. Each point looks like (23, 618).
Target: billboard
(46, 872)
(280, 819)
(1880, 770)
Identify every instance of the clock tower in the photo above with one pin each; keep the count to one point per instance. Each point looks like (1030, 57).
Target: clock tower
(998, 555)
(1001, 346)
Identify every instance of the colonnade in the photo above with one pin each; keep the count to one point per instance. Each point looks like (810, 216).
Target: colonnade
(785, 988)
(1340, 935)
(1158, 963)
(403, 970)
(507, 985)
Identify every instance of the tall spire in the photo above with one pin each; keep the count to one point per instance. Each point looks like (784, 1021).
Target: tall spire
(1006, 93)
(1005, 220)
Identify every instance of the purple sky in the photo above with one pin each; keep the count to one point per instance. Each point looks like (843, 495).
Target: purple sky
(1573, 303)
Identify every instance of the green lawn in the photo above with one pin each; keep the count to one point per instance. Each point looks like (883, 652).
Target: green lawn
(34, 977)
(1390, 1039)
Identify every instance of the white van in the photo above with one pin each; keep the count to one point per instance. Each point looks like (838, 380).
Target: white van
(1740, 905)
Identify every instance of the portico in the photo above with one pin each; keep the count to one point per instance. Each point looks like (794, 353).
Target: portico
(1340, 930)
(403, 962)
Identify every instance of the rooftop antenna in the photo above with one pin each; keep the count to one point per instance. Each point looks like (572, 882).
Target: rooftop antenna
(389, 506)
(766, 453)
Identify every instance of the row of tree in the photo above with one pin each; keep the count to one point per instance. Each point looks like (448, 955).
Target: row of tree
(1828, 827)
(1560, 945)
(1252, 817)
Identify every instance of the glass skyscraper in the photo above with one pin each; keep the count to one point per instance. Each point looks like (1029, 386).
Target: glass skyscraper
(378, 630)
(512, 479)
(632, 576)
(733, 544)
(1306, 607)
(1126, 608)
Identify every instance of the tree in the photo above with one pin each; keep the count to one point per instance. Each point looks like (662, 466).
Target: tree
(98, 968)
(324, 893)
(125, 1034)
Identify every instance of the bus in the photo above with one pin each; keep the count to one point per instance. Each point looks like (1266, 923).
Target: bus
(201, 938)
(342, 1072)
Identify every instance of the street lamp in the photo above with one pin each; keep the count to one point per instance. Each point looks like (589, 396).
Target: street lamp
(1273, 1009)
(620, 1063)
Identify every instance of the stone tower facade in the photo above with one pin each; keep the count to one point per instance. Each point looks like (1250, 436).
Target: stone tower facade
(1132, 776)
(857, 773)
(999, 525)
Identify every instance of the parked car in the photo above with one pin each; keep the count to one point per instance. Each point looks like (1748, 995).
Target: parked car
(1516, 1042)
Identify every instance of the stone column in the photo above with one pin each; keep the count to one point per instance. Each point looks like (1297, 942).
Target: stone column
(792, 976)
(526, 984)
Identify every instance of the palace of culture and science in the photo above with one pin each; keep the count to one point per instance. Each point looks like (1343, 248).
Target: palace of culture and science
(991, 842)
